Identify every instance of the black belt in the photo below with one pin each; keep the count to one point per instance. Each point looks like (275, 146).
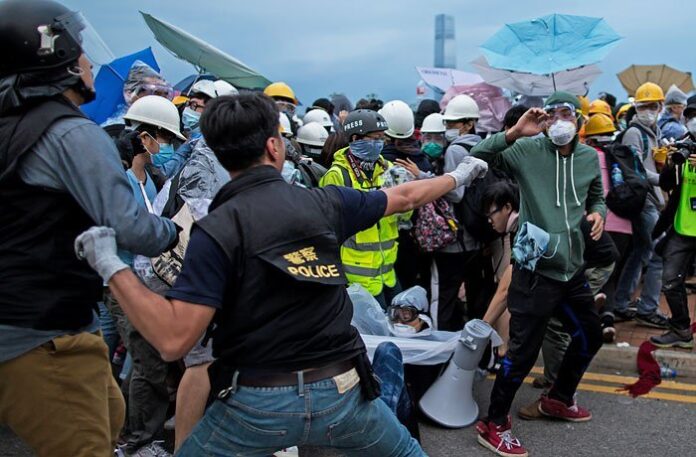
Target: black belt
(262, 379)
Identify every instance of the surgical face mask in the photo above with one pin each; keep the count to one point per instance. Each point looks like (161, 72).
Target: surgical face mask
(562, 132)
(404, 329)
(166, 151)
(691, 126)
(367, 150)
(622, 124)
(451, 135)
(190, 119)
(432, 150)
(647, 117)
(290, 173)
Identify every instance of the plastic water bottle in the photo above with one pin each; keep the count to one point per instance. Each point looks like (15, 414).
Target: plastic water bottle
(667, 373)
(616, 175)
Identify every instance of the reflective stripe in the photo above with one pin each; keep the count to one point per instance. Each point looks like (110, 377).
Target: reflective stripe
(367, 271)
(350, 243)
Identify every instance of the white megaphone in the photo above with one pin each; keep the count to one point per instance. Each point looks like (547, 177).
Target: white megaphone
(450, 401)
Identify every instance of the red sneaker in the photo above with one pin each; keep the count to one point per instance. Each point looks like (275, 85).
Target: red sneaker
(559, 410)
(499, 439)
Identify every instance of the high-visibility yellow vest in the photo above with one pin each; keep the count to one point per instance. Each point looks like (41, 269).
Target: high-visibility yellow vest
(369, 256)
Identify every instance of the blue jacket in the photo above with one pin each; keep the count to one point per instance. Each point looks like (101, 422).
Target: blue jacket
(670, 127)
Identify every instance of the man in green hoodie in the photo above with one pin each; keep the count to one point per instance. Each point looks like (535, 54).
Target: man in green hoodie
(560, 183)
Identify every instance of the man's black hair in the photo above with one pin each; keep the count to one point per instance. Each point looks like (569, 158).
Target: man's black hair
(500, 193)
(236, 127)
(513, 115)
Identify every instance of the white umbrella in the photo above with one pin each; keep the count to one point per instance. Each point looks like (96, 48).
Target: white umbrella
(576, 81)
(444, 78)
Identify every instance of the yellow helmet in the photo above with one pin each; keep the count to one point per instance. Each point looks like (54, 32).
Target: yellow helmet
(179, 100)
(649, 92)
(599, 124)
(584, 105)
(600, 107)
(623, 110)
(282, 90)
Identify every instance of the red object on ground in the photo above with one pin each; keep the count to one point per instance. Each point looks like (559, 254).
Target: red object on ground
(648, 369)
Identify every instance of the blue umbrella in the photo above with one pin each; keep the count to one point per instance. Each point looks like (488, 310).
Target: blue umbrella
(550, 44)
(109, 85)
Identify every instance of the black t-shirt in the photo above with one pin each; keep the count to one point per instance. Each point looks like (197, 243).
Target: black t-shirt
(204, 275)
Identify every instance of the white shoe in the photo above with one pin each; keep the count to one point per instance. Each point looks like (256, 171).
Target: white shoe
(289, 452)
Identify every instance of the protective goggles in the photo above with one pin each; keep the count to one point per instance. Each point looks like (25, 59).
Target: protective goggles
(403, 314)
(163, 90)
(286, 107)
(562, 111)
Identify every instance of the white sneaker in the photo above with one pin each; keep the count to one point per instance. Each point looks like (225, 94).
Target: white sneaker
(154, 449)
(289, 452)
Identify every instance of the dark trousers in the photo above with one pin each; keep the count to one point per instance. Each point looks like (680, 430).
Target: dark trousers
(678, 256)
(412, 265)
(622, 241)
(532, 300)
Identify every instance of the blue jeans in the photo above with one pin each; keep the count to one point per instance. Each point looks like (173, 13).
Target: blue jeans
(643, 253)
(258, 421)
(108, 328)
(388, 365)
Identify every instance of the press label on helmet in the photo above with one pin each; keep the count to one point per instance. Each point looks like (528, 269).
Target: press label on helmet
(353, 124)
(381, 125)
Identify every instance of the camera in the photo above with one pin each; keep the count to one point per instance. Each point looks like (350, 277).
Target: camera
(684, 149)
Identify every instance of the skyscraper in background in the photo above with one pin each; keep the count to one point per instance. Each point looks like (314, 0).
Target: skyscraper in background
(445, 44)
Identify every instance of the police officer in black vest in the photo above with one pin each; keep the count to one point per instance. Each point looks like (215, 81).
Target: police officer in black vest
(264, 267)
(59, 175)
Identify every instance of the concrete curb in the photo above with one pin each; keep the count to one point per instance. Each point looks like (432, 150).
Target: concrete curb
(611, 357)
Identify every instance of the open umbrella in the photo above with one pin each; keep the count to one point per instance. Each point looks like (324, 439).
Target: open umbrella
(550, 44)
(109, 85)
(576, 81)
(205, 57)
(491, 102)
(444, 78)
(662, 75)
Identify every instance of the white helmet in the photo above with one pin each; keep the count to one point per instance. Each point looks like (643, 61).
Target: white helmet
(285, 127)
(312, 134)
(157, 111)
(224, 88)
(399, 117)
(461, 107)
(320, 116)
(204, 86)
(433, 123)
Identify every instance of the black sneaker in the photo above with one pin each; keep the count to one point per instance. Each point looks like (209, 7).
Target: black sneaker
(674, 339)
(654, 320)
(624, 315)
(608, 330)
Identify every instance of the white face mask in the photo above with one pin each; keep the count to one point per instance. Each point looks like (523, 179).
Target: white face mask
(562, 132)
(691, 126)
(647, 117)
(451, 135)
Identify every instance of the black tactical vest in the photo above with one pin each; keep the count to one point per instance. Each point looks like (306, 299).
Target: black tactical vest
(42, 283)
(286, 306)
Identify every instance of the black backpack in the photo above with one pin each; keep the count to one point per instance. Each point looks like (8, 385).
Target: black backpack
(470, 212)
(627, 199)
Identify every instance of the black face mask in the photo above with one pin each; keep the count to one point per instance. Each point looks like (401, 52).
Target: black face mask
(89, 95)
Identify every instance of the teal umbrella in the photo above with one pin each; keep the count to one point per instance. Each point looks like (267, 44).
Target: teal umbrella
(550, 44)
(205, 57)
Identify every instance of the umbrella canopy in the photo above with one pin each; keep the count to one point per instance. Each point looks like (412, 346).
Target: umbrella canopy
(550, 44)
(490, 100)
(576, 81)
(662, 75)
(204, 56)
(109, 85)
(185, 84)
(444, 78)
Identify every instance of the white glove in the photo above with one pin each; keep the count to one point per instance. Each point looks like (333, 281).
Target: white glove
(469, 169)
(98, 247)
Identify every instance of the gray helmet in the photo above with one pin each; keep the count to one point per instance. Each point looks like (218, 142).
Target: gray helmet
(363, 121)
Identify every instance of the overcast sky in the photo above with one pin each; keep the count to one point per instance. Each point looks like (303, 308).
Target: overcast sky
(368, 46)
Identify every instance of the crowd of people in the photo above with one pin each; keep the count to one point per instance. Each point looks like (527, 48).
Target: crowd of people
(192, 254)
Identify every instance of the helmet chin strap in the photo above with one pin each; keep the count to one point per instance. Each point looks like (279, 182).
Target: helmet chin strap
(88, 94)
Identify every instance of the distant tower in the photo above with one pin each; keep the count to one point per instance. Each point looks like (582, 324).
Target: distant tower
(445, 44)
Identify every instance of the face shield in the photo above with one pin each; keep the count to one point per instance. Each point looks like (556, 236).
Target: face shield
(78, 27)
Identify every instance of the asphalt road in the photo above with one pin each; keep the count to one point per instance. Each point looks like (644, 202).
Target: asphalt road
(621, 427)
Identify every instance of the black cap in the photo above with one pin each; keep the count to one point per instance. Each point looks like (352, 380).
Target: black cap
(38, 35)
(690, 109)
(325, 104)
(363, 121)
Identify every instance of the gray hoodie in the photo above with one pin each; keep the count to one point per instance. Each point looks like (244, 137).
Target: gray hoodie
(634, 138)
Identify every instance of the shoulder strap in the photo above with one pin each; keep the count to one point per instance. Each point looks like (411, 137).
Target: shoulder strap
(347, 180)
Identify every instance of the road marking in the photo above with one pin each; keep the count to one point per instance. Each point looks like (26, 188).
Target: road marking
(672, 385)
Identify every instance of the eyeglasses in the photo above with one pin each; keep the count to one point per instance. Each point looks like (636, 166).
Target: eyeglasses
(194, 105)
(497, 210)
(403, 314)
